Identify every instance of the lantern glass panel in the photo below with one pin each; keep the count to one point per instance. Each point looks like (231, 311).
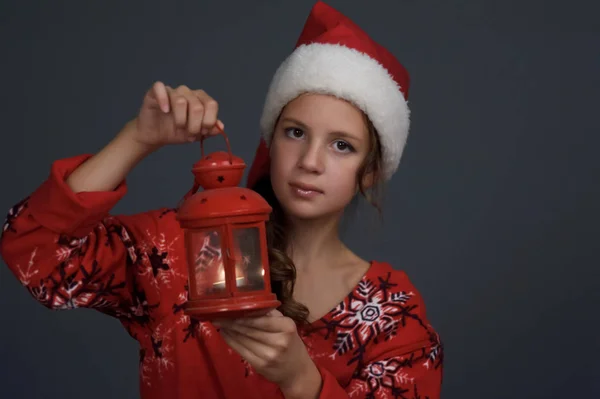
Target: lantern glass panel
(249, 263)
(208, 261)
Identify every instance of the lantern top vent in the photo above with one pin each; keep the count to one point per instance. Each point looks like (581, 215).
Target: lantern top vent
(228, 202)
(218, 169)
(219, 174)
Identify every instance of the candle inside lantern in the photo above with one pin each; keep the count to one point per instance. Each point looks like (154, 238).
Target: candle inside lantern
(221, 282)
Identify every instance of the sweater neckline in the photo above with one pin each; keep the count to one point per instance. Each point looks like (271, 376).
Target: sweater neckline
(373, 269)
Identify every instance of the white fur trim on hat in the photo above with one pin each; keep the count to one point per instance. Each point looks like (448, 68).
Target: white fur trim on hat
(348, 74)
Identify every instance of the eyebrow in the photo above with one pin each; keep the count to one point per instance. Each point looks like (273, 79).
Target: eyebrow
(295, 121)
(334, 133)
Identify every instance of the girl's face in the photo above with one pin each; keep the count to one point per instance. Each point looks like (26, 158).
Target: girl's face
(318, 146)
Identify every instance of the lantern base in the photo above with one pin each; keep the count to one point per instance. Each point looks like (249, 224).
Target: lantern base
(231, 308)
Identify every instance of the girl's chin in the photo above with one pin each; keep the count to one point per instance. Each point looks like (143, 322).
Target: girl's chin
(307, 211)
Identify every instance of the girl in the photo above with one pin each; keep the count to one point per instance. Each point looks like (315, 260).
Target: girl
(334, 125)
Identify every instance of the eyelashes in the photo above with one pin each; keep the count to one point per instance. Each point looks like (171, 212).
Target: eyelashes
(339, 145)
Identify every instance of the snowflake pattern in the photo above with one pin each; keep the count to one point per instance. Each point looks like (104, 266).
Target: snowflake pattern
(12, 214)
(73, 285)
(193, 328)
(162, 356)
(385, 376)
(26, 275)
(69, 247)
(368, 312)
(371, 313)
(158, 258)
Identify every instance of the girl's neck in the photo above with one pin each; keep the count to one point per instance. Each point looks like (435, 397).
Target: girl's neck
(312, 244)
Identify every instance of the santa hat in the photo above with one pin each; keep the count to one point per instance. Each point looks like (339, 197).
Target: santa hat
(334, 56)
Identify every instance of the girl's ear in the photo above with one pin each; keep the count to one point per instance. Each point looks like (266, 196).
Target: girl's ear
(368, 180)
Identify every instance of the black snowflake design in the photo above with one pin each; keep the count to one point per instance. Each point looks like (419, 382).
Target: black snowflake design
(391, 378)
(193, 327)
(12, 215)
(157, 260)
(69, 247)
(394, 377)
(434, 355)
(156, 255)
(182, 299)
(369, 313)
(159, 356)
(74, 285)
(115, 229)
(139, 310)
(384, 378)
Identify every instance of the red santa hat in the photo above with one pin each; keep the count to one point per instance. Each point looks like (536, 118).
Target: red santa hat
(334, 56)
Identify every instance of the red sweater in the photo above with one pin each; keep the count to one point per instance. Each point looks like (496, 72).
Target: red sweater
(69, 252)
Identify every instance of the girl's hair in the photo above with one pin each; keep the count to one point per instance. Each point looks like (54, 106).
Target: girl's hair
(282, 268)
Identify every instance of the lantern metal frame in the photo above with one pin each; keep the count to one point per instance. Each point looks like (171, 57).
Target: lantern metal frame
(231, 302)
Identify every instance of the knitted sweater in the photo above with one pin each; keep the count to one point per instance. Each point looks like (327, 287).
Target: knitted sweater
(70, 252)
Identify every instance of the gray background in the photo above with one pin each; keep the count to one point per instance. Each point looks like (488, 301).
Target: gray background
(493, 212)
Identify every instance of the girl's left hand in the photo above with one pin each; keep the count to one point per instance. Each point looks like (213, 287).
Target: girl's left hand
(272, 346)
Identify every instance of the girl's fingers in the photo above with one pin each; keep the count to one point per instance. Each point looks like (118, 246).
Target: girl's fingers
(211, 110)
(255, 352)
(159, 91)
(195, 115)
(179, 107)
(268, 323)
(267, 338)
(240, 348)
(194, 112)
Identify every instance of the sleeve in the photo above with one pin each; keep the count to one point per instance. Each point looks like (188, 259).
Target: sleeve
(416, 375)
(68, 252)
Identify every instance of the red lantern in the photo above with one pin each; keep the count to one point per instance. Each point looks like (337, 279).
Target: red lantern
(225, 239)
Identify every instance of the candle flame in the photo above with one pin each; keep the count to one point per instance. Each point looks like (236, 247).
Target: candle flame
(222, 282)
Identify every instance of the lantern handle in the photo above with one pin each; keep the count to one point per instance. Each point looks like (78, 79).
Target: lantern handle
(196, 186)
(222, 132)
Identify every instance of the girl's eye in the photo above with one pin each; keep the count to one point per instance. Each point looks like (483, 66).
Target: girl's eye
(342, 146)
(294, 132)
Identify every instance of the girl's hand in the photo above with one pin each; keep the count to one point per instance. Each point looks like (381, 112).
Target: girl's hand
(174, 116)
(272, 346)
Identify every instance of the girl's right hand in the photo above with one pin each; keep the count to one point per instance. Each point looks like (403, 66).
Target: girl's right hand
(175, 116)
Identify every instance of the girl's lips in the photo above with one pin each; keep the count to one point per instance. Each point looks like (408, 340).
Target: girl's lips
(305, 191)
(306, 187)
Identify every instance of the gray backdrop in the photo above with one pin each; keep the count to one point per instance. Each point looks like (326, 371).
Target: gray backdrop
(493, 212)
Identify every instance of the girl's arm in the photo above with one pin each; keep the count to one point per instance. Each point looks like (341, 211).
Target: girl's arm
(109, 167)
(68, 252)
(65, 247)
